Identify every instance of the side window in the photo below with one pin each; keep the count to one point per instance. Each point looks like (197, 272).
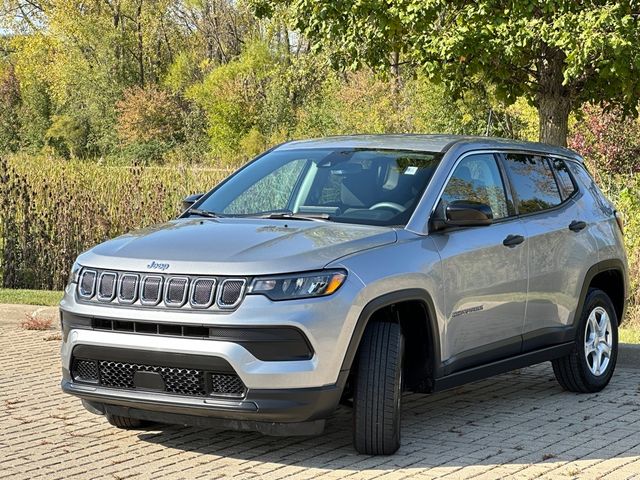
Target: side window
(533, 182)
(565, 182)
(478, 178)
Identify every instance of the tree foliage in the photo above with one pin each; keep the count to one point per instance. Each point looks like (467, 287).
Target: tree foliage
(186, 81)
(556, 54)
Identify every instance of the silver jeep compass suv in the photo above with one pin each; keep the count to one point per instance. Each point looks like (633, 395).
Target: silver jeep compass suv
(353, 269)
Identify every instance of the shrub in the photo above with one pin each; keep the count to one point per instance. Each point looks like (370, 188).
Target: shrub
(51, 210)
(609, 141)
(149, 116)
(33, 322)
(67, 136)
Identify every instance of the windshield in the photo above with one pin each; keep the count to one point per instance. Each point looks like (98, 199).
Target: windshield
(364, 186)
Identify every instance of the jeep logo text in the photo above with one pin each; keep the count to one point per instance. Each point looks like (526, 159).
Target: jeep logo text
(158, 266)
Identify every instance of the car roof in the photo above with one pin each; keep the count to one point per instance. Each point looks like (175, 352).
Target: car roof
(426, 143)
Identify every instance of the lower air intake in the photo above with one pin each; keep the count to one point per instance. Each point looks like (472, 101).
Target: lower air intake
(85, 370)
(180, 381)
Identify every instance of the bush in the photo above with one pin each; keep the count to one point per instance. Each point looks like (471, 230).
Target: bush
(624, 191)
(609, 141)
(51, 210)
(67, 136)
(149, 116)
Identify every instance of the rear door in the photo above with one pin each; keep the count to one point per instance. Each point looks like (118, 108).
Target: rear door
(558, 241)
(485, 281)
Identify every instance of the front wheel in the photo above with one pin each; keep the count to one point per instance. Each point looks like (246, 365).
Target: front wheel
(125, 423)
(378, 390)
(589, 367)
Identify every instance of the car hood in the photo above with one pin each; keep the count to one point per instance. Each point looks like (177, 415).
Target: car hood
(235, 246)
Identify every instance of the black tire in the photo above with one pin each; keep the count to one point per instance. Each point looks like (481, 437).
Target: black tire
(378, 390)
(573, 371)
(126, 423)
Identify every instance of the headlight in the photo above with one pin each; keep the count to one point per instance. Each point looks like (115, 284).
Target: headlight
(301, 285)
(74, 275)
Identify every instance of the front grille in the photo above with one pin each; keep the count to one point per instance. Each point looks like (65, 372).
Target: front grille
(179, 381)
(107, 286)
(176, 291)
(231, 292)
(203, 292)
(87, 284)
(160, 290)
(128, 289)
(151, 290)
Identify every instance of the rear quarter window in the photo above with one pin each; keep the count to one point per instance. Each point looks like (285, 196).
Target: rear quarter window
(565, 181)
(533, 182)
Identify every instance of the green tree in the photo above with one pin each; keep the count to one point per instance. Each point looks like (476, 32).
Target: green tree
(233, 96)
(9, 109)
(557, 54)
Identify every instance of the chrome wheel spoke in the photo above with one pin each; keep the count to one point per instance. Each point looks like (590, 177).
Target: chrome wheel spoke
(598, 341)
(596, 363)
(603, 323)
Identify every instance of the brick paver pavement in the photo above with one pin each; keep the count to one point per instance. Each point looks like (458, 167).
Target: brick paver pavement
(519, 425)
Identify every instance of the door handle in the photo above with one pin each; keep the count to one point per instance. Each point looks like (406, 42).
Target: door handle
(577, 225)
(513, 240)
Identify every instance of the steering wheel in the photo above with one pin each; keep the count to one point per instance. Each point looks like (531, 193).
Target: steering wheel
(391, 205)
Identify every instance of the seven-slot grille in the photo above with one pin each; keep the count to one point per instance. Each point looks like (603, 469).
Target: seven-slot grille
(180, 381)
(203, 292)
(230, 293)
(128, 288)
(176, 292)
(151, 291)
(107, 286)
(158, 289)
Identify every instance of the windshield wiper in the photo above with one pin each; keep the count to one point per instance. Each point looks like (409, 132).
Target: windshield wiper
(297, 216)
(203, 213)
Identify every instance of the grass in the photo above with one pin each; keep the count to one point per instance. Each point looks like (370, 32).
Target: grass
(30, 297)
(629, 335)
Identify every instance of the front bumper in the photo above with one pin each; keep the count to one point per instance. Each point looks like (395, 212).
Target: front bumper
(281, 397)
(327, 324)
(273, 411)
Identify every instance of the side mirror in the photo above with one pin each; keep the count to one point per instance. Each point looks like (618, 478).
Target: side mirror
(464, 213)
(190, 200)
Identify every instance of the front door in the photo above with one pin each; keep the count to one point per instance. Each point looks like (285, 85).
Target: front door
(484, 270)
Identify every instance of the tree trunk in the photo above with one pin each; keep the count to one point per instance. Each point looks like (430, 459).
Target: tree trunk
(553, 99)
(395, 72)
(140, 43)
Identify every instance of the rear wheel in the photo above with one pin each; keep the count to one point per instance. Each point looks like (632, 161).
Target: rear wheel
(378, 390)
(125, 423)
(589, 367)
